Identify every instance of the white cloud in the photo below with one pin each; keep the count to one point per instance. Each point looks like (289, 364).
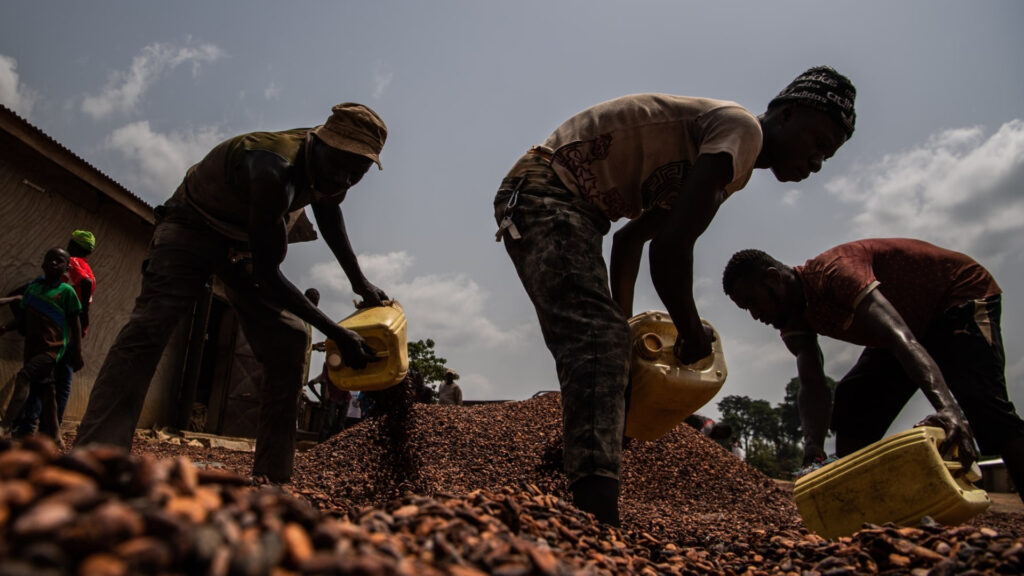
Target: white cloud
(705, 291)
(159, 161)
(13, 93)
(449, 308)
(1015, 371)
(791, 197)
(959, 189)
(126, 88)
(272, 91)
(381, 79)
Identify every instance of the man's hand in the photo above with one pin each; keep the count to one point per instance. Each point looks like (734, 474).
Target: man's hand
(694, 347)
(371, 295)
(958, 435)
(355, 352)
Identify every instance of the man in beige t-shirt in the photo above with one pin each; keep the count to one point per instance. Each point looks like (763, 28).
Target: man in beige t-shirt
(666, 163)
(449, 392)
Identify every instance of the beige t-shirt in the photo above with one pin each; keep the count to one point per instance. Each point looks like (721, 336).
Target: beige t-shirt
(632, 153)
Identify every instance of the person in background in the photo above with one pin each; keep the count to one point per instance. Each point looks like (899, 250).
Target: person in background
(449, 393)
(666, 163)
(928, 319)
(354, 413)
(421, 392)
(333, 401)
(232, 217)
(81, 277)
(700, 423)
(52, 331)
(737, 449)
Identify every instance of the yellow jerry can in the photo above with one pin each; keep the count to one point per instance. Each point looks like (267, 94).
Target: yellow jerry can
(899, 479)
(665, 391)
(383, 328)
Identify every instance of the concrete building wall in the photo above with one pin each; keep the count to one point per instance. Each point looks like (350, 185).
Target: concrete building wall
(47, 193)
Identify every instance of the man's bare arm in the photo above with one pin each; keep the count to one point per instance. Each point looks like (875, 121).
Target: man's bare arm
(331, 222)
(814, 400)
(85, 285)
(877, 316)
(671, 251)
(627, 252)
(270, 197)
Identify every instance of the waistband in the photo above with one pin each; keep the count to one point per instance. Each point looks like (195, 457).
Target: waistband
(542, 151)
(534, 169)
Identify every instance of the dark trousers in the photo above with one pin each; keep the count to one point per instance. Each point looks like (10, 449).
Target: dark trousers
(62, 373)
(36, 376)
(183, 255)
(560, 263)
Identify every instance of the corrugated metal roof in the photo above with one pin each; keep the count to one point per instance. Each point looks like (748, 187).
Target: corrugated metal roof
(43, 143)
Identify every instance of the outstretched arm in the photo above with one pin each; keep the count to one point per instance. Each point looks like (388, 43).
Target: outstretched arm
(814, 400)
(879, 318)
(331, 222)
(85, 285)
(627, 251)
(671, 252)
(270, 197)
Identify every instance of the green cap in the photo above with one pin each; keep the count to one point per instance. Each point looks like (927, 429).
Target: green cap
(84, 238)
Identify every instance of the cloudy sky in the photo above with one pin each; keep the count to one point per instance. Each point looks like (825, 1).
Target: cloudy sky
(143, 89)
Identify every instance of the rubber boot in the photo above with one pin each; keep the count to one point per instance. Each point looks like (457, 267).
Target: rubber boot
(1013, 457)
(598, 495)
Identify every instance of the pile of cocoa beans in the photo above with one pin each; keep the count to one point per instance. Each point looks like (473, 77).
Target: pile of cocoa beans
(683, 487)
(103, 511)
(426, 489)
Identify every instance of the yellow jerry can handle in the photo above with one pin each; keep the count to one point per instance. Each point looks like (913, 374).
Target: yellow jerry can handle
(973, 474)
(336, 361)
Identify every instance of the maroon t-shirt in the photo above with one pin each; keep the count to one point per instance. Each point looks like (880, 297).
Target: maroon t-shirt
(920, 279)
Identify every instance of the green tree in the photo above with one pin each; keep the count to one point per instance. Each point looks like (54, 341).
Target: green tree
(734, 411)
(772, 437)
(789, 414)
(750, 420)
(423, 359)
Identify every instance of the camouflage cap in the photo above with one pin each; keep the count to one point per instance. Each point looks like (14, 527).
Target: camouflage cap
(354, 128)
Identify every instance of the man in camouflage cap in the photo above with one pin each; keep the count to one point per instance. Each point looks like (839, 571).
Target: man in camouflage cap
(666, 163)
(232, 217)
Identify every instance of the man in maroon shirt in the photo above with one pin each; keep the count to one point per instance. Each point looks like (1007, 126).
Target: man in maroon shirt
(928, 318)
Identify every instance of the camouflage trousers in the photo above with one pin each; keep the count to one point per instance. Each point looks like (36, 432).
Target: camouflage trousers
(556, 247)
